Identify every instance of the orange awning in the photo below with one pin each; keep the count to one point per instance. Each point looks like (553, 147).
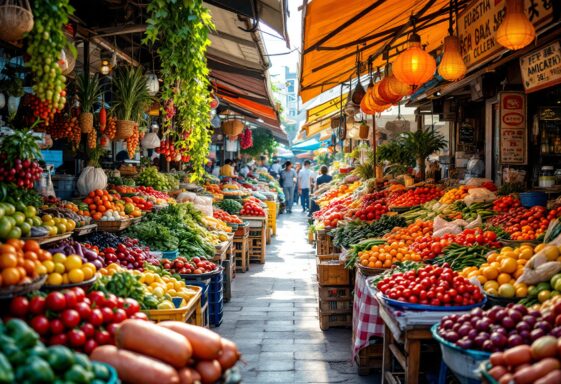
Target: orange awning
(251, 106)
(333, 29)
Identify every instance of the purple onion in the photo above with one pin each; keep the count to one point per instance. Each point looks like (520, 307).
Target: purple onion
(453, 318)
(523, 326)
(447, 324)
(530, 320)
(514, 340)
(556, 332)
(452, 336)
(464, 318)
(501, 313)
(477, 312)
(544, 326)
(515, 315)
(472, 333)
(464, 330)
(483, 324)
(480, 339)
(535, 313)
(498, 339)
(536, 334)
(98, 264)
(487, 345)
(507, 322)
(549, 317)
(526, 336)
(456, 327)
(520, 308)
(464, 343)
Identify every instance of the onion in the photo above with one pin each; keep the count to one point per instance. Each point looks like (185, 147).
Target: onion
(456, 327)
(498, 339)
(520, 308)
(464, 343)
(464, 318)
(464, 330)
(514, 340)
(507, 322)
(549, 317)
(556, 332)
(447, 324)
(515, 315)
(535, 313)
(488, 345)
(544, 326)
(480, 339)
(530, 320)
(522, 326)
(536, 334)
(452, 336)
(477, 312)
(483, 324)
(472, 333)
(501, 313)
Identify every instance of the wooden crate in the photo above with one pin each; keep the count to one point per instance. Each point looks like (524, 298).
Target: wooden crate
(335, 293)
(331, 271)
(257, 248)
(324, 244)
(241, 250)
(342, 320)
(369, 358)
(335, 306)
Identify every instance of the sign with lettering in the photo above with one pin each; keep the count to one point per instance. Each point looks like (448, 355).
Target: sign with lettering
(541, 68)
(513, 128)
(478, 23)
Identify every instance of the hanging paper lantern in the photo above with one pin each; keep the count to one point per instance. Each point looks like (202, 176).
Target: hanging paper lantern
(376, 96)
(414, 66)
(386, 93)
(516, 31)
(397, 87)
(366, 108)
(152, 83)
(452, 66)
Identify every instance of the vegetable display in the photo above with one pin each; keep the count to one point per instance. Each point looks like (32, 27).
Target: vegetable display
(355, 231)
(233, 207)
(151, 177)
(185, 267)
(19, 153)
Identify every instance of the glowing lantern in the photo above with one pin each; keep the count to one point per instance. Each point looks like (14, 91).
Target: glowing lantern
(414, 66)
(152, 84)
(397, 87)
(386, 93)
(364, 107)
(515, 31)
(452, 66)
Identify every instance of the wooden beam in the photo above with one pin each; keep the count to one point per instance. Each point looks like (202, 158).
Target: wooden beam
(120, 30)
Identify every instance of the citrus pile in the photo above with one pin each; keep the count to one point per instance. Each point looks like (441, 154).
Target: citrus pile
(454, 194)
(384, 256)
(101, 201)
(70, 269)
(20, 262)
(58, 225)
(409, 234)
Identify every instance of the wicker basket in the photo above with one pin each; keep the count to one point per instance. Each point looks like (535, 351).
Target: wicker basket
(86, 122)
(125, 129)
(363, 131)
(113, 226)
(16, 19)
(232, 127)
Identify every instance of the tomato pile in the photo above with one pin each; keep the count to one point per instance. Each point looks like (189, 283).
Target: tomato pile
(20, 262)
(23, 173)
(372, 207)
(522, 223)
(474, 236)
(152, 192)
(139, 202)
(226, 217)
(72, 318)
(506, 203)
(336, 210)
(129, 255)
(100, 201)
(171, 152)
(429, 247)
(183, 266)
(414, 197)
(250, 208)
(431, 285)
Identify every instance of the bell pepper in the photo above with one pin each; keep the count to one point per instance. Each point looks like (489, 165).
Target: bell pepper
(14, 354)
(38, 370)
(100, 371)
(83, 361)
(6, 371)
(22, 333)
(78, 374)
(39, 350)
(60, 358)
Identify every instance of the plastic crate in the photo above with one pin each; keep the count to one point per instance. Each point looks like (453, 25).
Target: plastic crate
(227, 283)
(330, 271)
(215, 296)
(176, 314)
(170, 255)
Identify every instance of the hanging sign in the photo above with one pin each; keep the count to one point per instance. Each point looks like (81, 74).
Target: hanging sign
(513, 128)
(541, 68)
(478, 23)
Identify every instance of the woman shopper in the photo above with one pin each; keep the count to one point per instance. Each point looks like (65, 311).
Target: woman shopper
(288, 182)
(297, 169)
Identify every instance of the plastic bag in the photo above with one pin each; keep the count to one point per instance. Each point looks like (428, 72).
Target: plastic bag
(542, 273)
(186, 197)
(479, 195)
(475, 223)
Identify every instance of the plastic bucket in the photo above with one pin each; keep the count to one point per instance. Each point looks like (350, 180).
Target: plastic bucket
(64, 186)
(531, 199)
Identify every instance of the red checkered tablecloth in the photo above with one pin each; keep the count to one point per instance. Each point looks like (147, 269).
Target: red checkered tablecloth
(366, 320)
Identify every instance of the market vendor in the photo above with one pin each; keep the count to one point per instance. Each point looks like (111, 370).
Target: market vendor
(323, 178)
(227, 169)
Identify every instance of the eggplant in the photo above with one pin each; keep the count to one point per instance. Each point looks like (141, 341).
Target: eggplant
(39, 231)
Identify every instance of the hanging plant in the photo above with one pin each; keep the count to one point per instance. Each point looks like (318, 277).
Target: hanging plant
(263, 143)
(246, 139)
(184, 24)
(46, 41)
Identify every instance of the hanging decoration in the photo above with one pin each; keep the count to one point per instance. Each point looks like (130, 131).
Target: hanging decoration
(185, 77)
(16, 19)
(516, 30)
(414, 66)
(452, 66)
(152, 83)
(246, 139)
(363, 130)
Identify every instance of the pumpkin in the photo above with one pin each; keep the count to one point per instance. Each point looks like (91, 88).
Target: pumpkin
(150, 141)
(90, 179)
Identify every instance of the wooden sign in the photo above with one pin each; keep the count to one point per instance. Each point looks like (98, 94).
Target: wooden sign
(478, 23)
(541, 68)
(513, 128)
(467, 133)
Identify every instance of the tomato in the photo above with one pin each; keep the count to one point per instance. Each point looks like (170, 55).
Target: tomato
(107, 315)
(111, 301)
(19, 306)
(112, 328)
(89, 346)
(56, 326)
(97, 298)
(88, 330)
(140, 316)
(79, 293)
(70, 318)
(83, 310)
(55, 301)
(60, 339)
(96, 317)
(102, 337)
(76, 338)
(119, 315)
(37, 305)
(40, 324)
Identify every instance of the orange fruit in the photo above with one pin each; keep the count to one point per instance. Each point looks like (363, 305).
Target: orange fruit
(11, 276)
(503, 278)
(508, 265)
(8, 260)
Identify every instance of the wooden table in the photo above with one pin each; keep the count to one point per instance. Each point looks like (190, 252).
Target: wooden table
(402, 344)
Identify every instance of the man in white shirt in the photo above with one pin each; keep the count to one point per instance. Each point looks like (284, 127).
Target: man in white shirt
(276, 168)
(304, 184)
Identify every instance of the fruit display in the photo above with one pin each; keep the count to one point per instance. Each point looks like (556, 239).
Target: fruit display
(250, 208)
(70, 213)
(474, 236)
(73, 318)
(506, 203)
(21, 262)
(498, 328)
(454, 194)
(414, 197)
(539, 363)
(372, 207)
(499, 273)
(544, 294)
(431, 285)
(521, 223)
(410, 233)
(72, 247)
(183, 266)
(341, 191)
(132, 203)
(151, 177)
(103, 206)
(333, 212)
(168, 352)
(18, 164)
(355, 231)
(26, 359)
(18, 221)
(384, 256)
(232, 207)
(226, 217)
(69, 269)
(128, 254)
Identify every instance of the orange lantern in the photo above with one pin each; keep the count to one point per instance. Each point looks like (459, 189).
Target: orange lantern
(515, 31)
(386, 93)
(452, 66)
(364, 107)
(397, 87)
(414, 66)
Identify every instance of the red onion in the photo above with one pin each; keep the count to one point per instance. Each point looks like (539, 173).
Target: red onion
(520, 308)
(544, 326)
(514, 340)
(464, 330)
(522, 326)
(464, 343)
(536, 334)
(507, 322)
(488, 345)
(515, 315)
(531, 320)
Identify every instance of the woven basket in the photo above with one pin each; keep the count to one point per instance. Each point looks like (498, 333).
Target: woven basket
(125, 129)
(16, 19)
(363, 131)
(232, 127)
(86, 122)
(70, 62)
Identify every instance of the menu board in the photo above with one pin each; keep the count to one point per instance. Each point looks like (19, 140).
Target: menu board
(513, 128)
(478, 23)
(541, 68)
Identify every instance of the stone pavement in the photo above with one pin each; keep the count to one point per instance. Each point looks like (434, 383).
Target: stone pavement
(273, 317)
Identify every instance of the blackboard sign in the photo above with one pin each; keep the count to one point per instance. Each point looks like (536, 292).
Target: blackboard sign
(466, 133)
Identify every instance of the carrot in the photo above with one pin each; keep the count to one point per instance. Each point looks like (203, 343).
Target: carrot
(207, 345)
(188, 376)
(210, 371)
(135, 368)
(152, 340)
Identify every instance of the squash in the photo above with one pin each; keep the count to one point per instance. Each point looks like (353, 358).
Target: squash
(90, 179)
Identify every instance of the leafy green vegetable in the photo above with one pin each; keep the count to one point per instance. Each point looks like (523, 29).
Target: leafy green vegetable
(233, 207)
(357, 230)
(154, 235)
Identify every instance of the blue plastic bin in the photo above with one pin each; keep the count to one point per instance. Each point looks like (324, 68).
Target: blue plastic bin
(170, 255)
(64, 186)
(52, 157)
(531, 199)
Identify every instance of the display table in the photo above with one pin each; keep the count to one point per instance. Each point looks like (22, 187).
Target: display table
(367, 322)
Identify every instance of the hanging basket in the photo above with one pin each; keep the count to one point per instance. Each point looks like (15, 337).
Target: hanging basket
(16, 20)
(125, 129)
(363, 131)
(232, 128)
(67, 62)
(86, 120)
(335, 122)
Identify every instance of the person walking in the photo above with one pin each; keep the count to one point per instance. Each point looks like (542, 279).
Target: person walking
(304, 185)
(298, 167)
(288, 182)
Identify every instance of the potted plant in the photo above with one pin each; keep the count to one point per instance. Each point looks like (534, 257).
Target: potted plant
(130, 99)
(88, 90)
(422, 144)
(93, 176)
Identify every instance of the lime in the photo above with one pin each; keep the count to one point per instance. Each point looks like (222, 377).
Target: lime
(15, 233)
(5, 227)
(543, 286)
(30, 211)
(554, 279)
(19, 217)
(20, 207)
(37, 221)
(554, 293)
(29, 221)
(9, 209)
(2, 210)
(25, 229)
(532, 291)
(11, 220)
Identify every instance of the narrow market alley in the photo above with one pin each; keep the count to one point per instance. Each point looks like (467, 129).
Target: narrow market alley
(273, 317)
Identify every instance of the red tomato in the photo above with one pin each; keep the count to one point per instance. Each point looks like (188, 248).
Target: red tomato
(89, 346)
(97, 298)
(71, 299)
(83, 310)
(55, 301)
(107, 315)
(102, 337)
(96, 317)
(56, 326)
(70, 318)
(37, 305)
(88, 330)
(60, 339)
(76, 338)
(40, 324)
(80, 294)
(19, 306)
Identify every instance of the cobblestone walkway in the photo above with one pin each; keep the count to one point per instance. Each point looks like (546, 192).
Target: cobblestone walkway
(273, 317)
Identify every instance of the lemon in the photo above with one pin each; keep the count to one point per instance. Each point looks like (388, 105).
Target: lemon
(59, 268)
(59, 258)
(73, 262)
(506, 290)
(166, 304)
(491, 284)
(88, 273)
(76, 275)
(551, 252)
(54, 279)
(41, 269)
(148, 278)
(49, 265)
(158, 292)
(171, 292)
(65, 279)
